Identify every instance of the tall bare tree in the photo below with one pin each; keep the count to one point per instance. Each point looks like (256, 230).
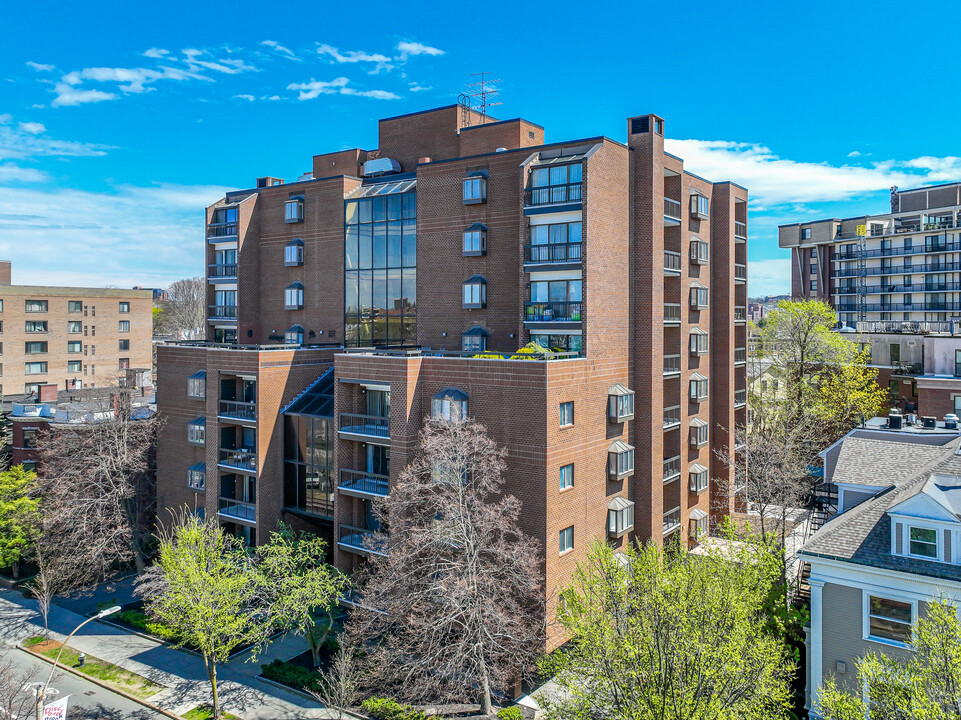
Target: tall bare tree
(16, 701)
(98, 490)
(457, 596)
(185, 308)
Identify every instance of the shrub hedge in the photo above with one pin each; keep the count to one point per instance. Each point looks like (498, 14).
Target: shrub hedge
(510, 713)
(291, 675)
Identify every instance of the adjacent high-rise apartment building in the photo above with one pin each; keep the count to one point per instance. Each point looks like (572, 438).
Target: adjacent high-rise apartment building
(388, 285)
(71, 337)
(903, 265)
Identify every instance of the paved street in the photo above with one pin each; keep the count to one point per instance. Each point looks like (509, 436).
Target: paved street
(87, 700)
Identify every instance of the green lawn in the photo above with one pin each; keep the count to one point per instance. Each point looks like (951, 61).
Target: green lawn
(129, 682)
(205, 712)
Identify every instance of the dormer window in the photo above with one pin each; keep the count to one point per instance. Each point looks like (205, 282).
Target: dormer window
(475, 240)
(923, 542)
(700, 204)
(294, 209)
(294, 253)
(449, 404)
(475, 188)
(620, 404)
(699, 251)
(620, 460)
(925, 525)
(475, 292)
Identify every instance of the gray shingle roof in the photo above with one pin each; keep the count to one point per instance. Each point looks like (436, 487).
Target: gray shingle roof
(880, 463)
(862, 535)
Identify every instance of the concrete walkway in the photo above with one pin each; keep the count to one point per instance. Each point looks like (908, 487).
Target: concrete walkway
(180, 672)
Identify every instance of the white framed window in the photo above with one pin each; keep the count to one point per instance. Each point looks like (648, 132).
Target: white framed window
(294, 253)
(124, 307)
(475, 240)
(449, 404)
(294, 209)
(700, 206)
(294, 296)
(475, 292)
(197, 476)
(620, 460)
(566, 540)
(197, 385)
(197, 431)
(923, 542)
(620, 517)
(889, 620)
(123, 326)
(699, 523)
(699, 342)
(567, 476)
(475, 189)
(699, 478)
(620, 404)
(699, 296)
(294, 335)
(698, 432)
(698, 387)
(566, 413)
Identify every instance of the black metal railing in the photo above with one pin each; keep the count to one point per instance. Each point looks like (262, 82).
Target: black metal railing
(672, 209)
(221, 230)
(740, 355)
(226, 312)
(364, 482)
(672, 520)
(554, 253)
(239, 410)
(358, 539)
(672, 416)
(740, 230)
(237, 509)
(672, 364)
(226, 270)
(740, 313)
(672, 468)
(901, 307)
(239, 458)
(672, 312)
(552, 194)
(672, 261)
(740, 271)
(552, 311)
(740, 398)
(376, 425)
(909, 326)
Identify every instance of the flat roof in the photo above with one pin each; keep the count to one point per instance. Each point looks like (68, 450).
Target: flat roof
(58, 290)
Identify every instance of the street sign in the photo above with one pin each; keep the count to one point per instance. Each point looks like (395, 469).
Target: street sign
(57, 710)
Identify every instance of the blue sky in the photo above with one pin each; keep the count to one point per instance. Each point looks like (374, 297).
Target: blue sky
(119, 121)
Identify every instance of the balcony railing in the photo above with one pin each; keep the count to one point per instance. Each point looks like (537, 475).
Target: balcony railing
(740, 398)
(223, 312)
(221, 230)
(358, 424)
(238, 410)
(910, 326)
(897, 251)
(901, 307)
(552, 311)
(239, 458)
(672, 313)
(740, 356)
(672, 417)
(672, 261)
(740, 273)
(554, 253)
(740, 230)
(358, 540)
(237, 509)
(228, 270)
(672, 364)
(672, 469)
(552, 194)
(672, 209)
(900, 269)
(672, 520)
(360, 481)
(740, 314)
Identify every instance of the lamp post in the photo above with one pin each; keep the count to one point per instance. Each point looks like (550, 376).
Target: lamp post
(42, 692)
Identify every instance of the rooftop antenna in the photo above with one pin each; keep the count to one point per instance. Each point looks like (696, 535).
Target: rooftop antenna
(478, 97)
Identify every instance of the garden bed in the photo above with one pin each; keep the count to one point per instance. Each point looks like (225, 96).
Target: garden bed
(108, 673)
(206, 712)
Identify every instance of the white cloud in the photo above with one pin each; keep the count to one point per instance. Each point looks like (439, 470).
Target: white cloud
(40, 67)
(278, 47)
(37, 224)
(33, 128)
(10, 173)
(415, 48)
(854, 153)
(250, 98)
(29, 140)
(316, 88)
(381, 62)
(69, 95)
(416, 87)
(769, 277)
(199, 59)
(156, 53)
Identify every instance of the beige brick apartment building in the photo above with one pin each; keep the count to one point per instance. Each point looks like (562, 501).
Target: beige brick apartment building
(348, 306)
(70, 337)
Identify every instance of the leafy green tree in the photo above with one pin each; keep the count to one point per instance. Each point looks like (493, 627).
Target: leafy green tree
(19, 516)
(302, 584)
(927, 687)
(671, 637)
(207, 590)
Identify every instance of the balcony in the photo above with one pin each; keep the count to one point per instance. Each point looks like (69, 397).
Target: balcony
(222, 312)
(242, 459)
(672, 417)
(237, 510)
(740, 399)
(672, 469)
(672, 211)
(565, 311)
(672, 365)
(901, 307)
(740, 231)
(366, 428)
(740, 314)
(672, 313)
(358, 541)
(554, 254)
(362, 484)
(222, 273)
(221, 232)
(672, 521)
(740, 356)
(552, 195)
(740, 273)
(672, 263)
(235, 410)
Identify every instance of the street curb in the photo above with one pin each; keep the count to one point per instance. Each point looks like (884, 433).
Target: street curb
(104, 685)
(308, 696)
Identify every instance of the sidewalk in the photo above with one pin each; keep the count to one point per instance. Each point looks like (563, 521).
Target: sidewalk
(182, 673)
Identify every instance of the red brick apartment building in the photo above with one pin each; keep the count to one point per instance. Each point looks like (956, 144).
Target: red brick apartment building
(348, 306)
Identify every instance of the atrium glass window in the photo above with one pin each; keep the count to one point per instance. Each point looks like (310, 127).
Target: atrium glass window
(380, 261)
(308, 450)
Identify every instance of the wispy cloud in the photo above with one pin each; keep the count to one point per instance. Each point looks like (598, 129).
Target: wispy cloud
(769, 277)
(10, 173)
(250, 98)
(33, 128)
(337, 86)
(279, 48)
(406, 49)
(381, 62)
(39, 67)
(204, 59)
(156, 53)
(417, 87)
(29, 140)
